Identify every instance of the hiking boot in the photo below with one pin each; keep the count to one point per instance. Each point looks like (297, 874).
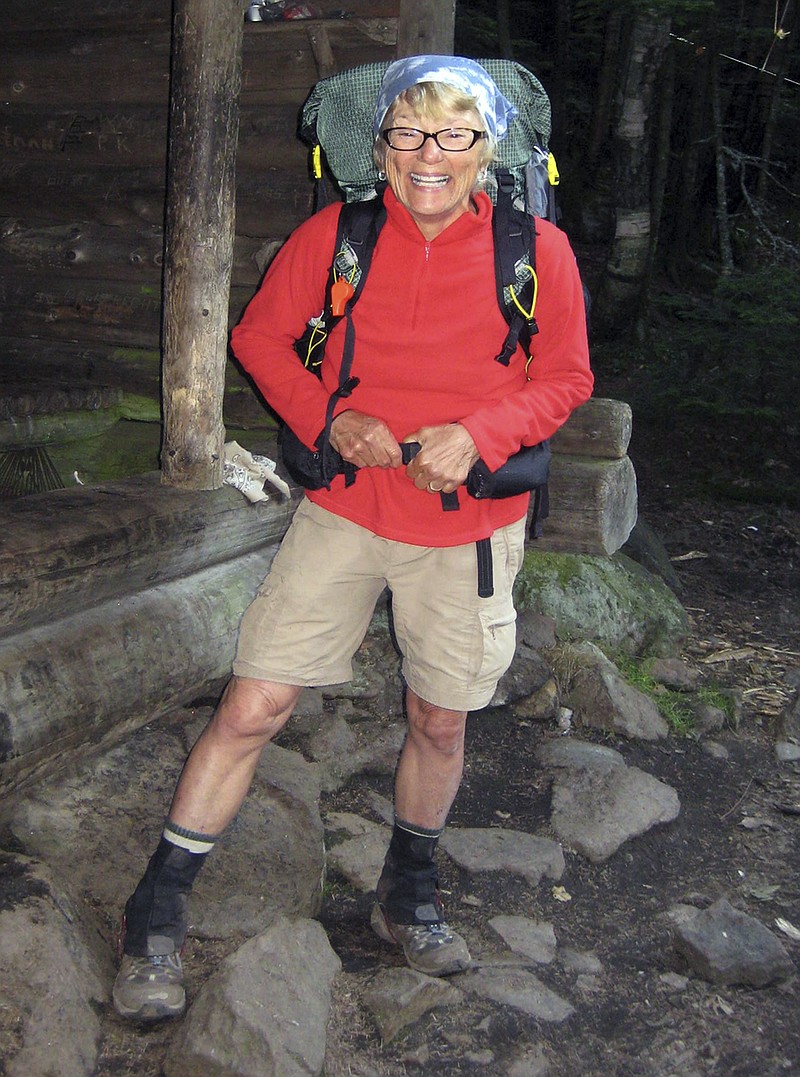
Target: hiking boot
(150, 988)
(430, 947)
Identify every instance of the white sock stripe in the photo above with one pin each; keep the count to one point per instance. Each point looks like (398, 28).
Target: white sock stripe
(419, 831)
(188, 839)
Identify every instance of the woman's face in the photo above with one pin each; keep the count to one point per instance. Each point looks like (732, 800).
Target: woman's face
(435, 186)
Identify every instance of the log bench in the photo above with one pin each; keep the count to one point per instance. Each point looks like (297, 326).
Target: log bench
(120, 602)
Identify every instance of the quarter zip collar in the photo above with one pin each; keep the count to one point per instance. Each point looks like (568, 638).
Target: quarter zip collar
(461, 228)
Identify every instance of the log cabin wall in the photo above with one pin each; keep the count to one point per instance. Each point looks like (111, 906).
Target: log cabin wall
(84, 137)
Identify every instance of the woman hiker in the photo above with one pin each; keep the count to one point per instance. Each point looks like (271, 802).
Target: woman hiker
(427, 329)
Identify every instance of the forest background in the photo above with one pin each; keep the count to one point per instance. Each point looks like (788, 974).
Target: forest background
(675, 129)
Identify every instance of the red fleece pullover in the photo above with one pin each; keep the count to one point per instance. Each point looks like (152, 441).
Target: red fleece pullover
(428, 327)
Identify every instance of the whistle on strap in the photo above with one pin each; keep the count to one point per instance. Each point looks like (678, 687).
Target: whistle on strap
(341, 291)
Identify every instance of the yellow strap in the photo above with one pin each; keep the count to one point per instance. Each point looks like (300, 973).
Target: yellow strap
(552, 171)
(527, 314)
(316, 161)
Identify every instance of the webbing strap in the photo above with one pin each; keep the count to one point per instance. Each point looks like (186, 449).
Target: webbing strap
(346, 385)
(359, 225)
(514, 243)
(409, 450)
(485, 571)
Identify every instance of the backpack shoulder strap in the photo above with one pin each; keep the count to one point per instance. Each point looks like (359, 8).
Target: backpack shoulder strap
(357, 233)
(356, 236)
(514, 235)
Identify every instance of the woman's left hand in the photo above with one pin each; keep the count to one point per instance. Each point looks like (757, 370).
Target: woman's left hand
(444, 460)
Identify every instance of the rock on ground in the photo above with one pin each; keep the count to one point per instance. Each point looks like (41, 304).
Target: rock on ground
(55, 974)
(726, 946)
(264, 1012)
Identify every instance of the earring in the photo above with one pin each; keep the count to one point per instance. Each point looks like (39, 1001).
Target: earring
(381, 175)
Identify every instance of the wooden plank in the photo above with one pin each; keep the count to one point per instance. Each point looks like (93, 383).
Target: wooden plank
(88, 250)
(270, 201)
(156, 14)
(321, 48)
(90, 311)
(93, 369)
(593, 505)
(281, 55)
(134, 370)
(18, 15)
(136, 135)
(83, 250)
(133, 134)
(117, 539)
(600, 428)
(46, 64)
(110, 194)
(358, 9)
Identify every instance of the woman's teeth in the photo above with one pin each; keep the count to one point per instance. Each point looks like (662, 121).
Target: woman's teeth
(429, 181)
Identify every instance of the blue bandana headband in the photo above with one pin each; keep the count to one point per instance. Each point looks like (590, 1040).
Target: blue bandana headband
(465, 75)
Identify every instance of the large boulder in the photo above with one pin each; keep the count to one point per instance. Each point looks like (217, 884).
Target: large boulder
(610, 600)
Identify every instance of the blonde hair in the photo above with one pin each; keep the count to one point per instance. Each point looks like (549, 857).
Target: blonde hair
(432, 101)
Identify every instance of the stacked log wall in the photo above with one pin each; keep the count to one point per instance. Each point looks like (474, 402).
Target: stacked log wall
(83, 130)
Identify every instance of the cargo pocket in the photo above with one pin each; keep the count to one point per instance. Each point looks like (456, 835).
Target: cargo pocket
(499, 642)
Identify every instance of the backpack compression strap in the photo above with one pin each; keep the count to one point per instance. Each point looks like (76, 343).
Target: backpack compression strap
(359, 226)
(514, 236)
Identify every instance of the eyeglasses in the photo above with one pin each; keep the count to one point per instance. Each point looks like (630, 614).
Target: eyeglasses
(451, 139)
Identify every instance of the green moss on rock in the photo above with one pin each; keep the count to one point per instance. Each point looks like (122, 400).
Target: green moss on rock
(612, 601)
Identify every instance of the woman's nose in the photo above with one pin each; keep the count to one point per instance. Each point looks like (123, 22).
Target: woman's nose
(430, 150)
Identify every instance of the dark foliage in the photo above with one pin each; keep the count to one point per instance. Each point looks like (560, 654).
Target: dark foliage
(710, 346)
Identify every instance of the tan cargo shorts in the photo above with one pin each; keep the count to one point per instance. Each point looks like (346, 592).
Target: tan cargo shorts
(315, 605)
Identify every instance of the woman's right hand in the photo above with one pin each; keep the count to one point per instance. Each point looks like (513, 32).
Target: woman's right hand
(364, 441)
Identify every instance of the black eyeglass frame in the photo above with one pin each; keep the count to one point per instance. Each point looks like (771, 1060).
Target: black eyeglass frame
(476, 137)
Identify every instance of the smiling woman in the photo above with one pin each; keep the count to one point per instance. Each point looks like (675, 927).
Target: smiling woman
(432, 179)
(421, 342)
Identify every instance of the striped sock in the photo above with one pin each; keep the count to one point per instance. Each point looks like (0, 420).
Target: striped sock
(190, 840)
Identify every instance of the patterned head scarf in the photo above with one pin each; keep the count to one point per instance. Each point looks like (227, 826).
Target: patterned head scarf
(465, 75)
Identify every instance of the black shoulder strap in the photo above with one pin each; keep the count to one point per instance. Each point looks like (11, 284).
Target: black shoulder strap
(356, 236)
(514, 234)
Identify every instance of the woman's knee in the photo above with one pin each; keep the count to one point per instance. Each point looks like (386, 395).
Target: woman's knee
(254, 708)
(439, 727)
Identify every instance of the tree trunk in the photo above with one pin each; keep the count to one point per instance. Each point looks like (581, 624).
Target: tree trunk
(504, 43)
(623, 284)
(779, 64)
(666, 93)
(723, 221)
(562, 17)
(601, 115)
(684, 198)
(426, 28)
(204, 123)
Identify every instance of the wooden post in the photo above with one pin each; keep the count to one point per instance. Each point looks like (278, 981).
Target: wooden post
(200, 224)
(426, 28)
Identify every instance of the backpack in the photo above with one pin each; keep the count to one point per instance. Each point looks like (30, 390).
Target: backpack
(337, 117)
